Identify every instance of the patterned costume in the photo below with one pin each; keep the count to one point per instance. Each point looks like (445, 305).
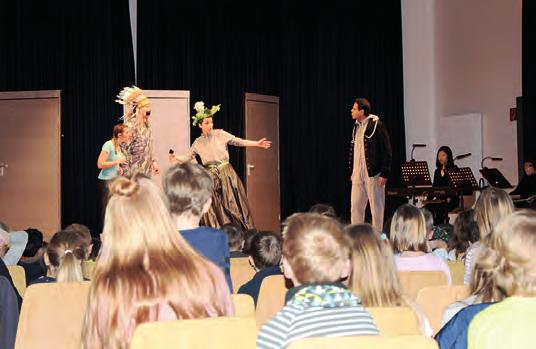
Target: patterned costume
(139, 151)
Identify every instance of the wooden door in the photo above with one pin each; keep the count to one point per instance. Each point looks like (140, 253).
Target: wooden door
(262, 166)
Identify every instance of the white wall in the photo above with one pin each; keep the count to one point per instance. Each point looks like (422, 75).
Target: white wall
(476, 62)
(419, 78)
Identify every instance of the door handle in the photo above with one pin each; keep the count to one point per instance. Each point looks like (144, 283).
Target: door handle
(249, 168)
(3, 165)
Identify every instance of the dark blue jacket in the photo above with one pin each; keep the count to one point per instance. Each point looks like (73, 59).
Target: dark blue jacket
(454, 334)
(253, 286)
(214, 245)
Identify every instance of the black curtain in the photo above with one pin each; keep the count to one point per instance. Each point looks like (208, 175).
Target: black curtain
(527, 126)
(317, 59)
(85, 50)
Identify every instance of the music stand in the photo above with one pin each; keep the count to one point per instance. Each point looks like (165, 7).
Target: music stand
(495, 178)
(415, 173)
(463, 181)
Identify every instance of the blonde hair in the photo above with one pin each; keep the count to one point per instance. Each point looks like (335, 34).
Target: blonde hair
(374, 278)
(374, 275)
(509, 257)
(65, 252)
(408, 230)
(144, 264)
(315, 247)
(492, 205)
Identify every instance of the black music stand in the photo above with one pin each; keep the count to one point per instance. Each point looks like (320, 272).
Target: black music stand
(463, 181)
(414, 174)
(495, 178)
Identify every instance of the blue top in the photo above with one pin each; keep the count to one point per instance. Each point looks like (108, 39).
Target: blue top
(214, 245)
(454, 334)
(253, 286)
(113, 155)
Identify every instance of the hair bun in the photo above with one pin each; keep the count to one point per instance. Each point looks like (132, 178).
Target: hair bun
(124, 186)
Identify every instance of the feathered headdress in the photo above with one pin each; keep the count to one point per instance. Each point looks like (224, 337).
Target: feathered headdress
(132, 96)
(203, 112)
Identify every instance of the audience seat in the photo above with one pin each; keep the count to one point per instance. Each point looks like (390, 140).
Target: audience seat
(457, 269)
(413, 281)
(87, 269)
(241, 272)
(52, 315)
(222, 333)
(434, 300)
(271, 298)
(395, 321)
(19, 278)
(244, 306)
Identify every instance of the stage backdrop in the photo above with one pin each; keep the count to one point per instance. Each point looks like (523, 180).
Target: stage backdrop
(83, 49)
(317, 59)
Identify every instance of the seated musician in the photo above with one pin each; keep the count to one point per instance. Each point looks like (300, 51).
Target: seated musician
(527, 185)
(444, 162)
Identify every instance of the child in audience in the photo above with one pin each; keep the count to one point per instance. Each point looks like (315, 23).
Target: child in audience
(465, 233)
(265, 255)
(63, 258)
(374, 278)
(84, 233)
(408, 237)
(492, 205)
(324, 209)
(248, 235)
(32, 258)
(316, 257)
(146, 270)
(188, 188)
(437, 237)
(236, 240)
(456, 318)
(509, 323)
(12, 244)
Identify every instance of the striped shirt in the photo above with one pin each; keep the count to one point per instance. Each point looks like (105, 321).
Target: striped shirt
(316, 311)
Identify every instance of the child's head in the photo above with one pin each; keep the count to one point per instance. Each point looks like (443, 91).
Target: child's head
(188, 188)
(315, 249)
(492, 205)
(374, 276)
(235, 235)
(408, 230)
(323, 209)
(248, 235)
(84, 233)
(429, 222)
(465, 232)
(509, 257)
(64, 256)
(35, 242)
(265, 250)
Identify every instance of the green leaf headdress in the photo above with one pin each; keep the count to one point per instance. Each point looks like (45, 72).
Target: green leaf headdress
(203, 112)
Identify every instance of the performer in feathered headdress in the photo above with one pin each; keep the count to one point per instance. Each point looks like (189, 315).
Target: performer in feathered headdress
(229, 202)
(139, 151)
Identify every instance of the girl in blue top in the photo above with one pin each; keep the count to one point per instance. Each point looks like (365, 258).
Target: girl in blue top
(108, 162)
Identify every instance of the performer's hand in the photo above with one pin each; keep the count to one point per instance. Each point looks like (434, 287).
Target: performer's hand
(172, 158)
(263, 143)
(121, 160)
(382, 181)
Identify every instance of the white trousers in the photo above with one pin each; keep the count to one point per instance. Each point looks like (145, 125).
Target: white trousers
(363, 191)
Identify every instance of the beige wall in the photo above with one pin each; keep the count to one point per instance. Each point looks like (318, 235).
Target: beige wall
(476, 62)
